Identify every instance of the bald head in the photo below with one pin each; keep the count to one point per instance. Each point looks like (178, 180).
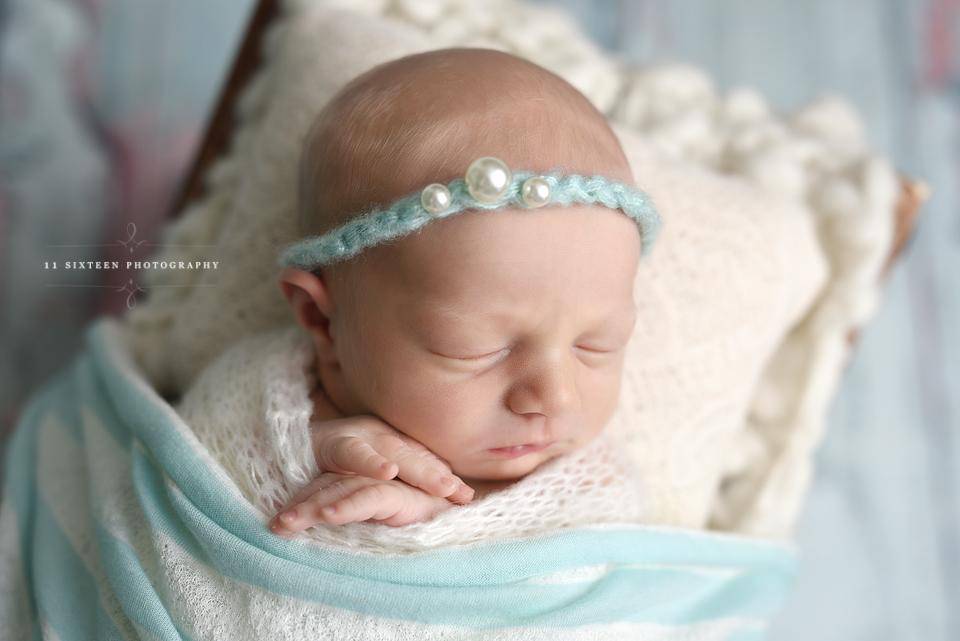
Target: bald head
(406, 331)
(424, 118)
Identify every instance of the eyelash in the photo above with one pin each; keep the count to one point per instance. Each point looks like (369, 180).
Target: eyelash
(491, 354)
(478, 358)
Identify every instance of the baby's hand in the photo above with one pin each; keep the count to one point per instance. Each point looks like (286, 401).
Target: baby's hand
(338, 498)
(367, 446)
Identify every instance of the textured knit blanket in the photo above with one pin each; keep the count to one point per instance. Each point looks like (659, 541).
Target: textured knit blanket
(117, 524)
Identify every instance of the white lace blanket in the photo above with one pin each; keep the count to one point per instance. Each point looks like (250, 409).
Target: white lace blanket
(251, 408)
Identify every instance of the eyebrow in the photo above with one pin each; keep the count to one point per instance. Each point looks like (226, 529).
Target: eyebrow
(502, 318)
(452, 313)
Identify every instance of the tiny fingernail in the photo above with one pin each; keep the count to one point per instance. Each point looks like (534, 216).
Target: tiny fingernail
(289, 515)
(447, 481)
(330, 509)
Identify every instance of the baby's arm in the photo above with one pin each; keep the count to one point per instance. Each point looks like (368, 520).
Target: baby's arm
(365, 453)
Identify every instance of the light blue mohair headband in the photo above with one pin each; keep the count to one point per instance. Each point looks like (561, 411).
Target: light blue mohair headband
(487, 184)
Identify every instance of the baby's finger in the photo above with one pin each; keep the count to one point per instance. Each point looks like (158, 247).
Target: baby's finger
(287, 523)
(421, 468)
(304, 509)
(379, 501)
(308, 490)
(350, 454)
(463, 494)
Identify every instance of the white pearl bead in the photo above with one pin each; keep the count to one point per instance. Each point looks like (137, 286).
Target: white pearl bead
(435, 198)
(535, 192)
(487, 179)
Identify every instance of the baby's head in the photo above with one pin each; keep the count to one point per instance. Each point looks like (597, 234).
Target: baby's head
(485, 329)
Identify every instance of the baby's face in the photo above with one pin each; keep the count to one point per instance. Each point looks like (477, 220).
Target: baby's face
(489, 330)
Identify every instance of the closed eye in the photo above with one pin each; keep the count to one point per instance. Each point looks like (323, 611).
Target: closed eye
(598, 350)
(479, 357)
(590, 349)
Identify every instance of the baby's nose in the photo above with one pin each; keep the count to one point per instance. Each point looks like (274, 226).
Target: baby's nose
(547, 386)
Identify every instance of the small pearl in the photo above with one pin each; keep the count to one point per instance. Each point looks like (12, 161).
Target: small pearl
(487, 179)
(435, 198)
(535, 192)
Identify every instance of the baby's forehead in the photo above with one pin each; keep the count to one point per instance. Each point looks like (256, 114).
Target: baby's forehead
(507, 257)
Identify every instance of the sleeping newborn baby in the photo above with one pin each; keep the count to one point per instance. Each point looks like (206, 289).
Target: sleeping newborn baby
(495, 339)
(455, 359)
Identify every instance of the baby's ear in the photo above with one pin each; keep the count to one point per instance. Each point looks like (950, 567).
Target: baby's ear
(309, 297)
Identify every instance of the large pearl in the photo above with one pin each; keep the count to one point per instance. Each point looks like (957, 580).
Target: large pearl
(535, 192)
(488, 179)
(435, 198)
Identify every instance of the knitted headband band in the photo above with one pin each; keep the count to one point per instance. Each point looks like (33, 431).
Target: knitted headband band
(487, 184)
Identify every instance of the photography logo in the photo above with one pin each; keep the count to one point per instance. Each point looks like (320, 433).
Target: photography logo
(121, 270)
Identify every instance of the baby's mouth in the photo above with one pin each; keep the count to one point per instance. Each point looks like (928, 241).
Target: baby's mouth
(515, 451)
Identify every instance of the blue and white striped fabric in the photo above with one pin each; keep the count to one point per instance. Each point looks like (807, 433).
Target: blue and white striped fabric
(114, 527)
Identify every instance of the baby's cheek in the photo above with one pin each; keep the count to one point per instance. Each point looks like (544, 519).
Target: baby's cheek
(425, 408)
(449, 425)
(601, 399)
